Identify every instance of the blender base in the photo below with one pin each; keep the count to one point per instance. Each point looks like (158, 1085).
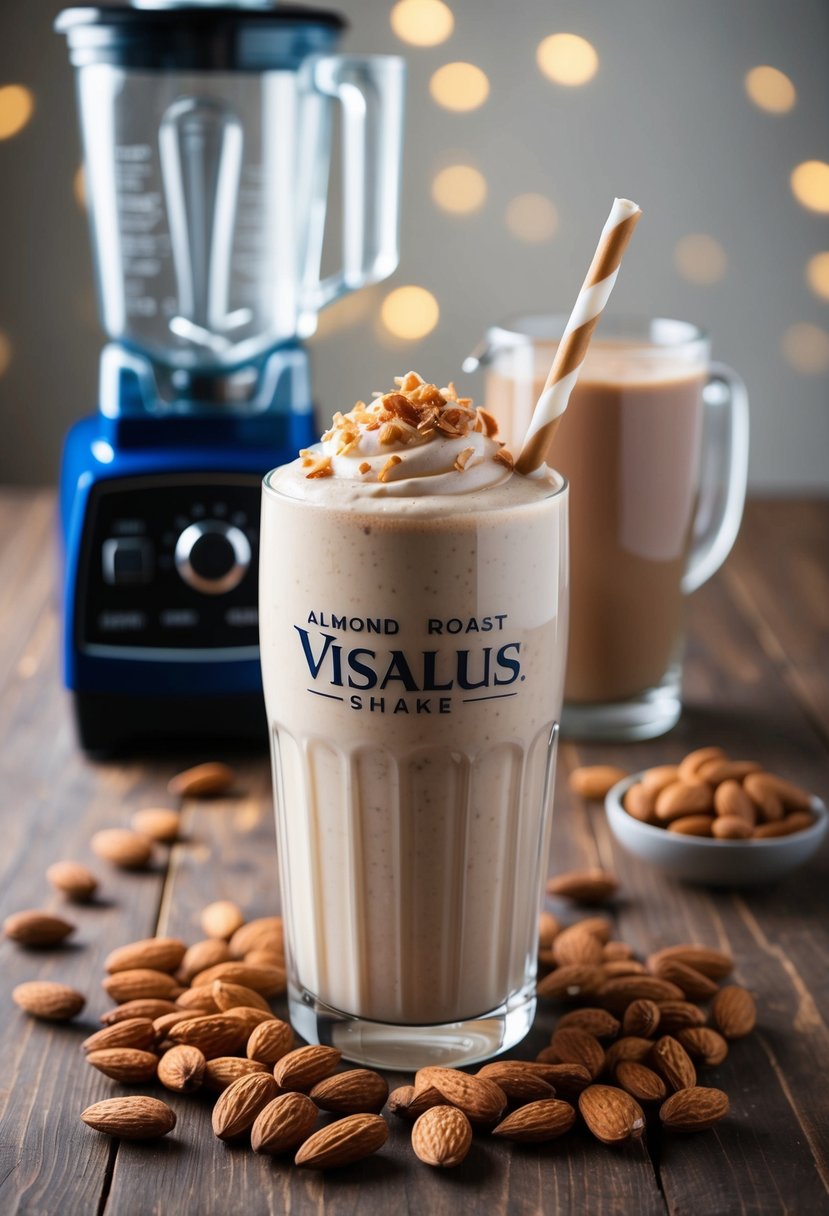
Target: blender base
(109, 724)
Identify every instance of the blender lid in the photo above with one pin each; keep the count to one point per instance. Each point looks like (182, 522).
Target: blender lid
(188, 36)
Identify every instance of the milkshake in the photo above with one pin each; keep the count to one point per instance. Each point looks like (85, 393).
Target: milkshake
(413, 616)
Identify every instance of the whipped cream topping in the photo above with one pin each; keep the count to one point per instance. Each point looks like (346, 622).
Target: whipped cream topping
(416, 440)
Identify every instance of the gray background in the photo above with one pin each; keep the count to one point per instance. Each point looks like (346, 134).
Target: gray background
(665, 121)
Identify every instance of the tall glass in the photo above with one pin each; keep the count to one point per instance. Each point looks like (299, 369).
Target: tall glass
(654, 444)
(413, 663)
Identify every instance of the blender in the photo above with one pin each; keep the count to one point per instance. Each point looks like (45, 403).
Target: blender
(207, 136)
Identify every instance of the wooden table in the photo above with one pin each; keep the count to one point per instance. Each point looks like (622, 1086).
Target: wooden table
(757, 681)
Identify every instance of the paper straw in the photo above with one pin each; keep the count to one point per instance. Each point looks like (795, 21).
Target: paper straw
(594, 294)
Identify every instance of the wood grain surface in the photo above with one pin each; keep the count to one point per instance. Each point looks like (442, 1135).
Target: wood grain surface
(756, 681)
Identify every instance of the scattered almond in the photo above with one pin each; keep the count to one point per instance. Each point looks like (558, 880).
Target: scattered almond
(519, 1083)
(202, 781)
(202, 956)
(35, 928)
(123, 848)
(269, 981)
(672, 1062)
(215, 1034)
(704, 1044)
(641, 1018)
(182, 1069)
(695, 985)
(480, 1099)
(567, 1079)
(442, 1136)
(631, 1047)
(404, 1102)
(198, 1000)
(48, 1000)
(231, 996)
(158, 823)
(148, 1007)
(349, 1093)
(134, 1118)
(221, 919)
(611, 1114)
(140, 982)
(571, 982)
(283, 1124)
(536, 1122)
(74, 880)
(677, 1015)
(222, 1071)
(596, 1022)
(574, 1046)
(620, 991)
(713, 963)
(270, 1041)
(595, 781)
(577, 945)
(264, 933)
(303, 1067)
(125, 1064)
(132, 1032)
(734, 1012)
(583, 886)
(641, 1082)
(155, 953)
(694, 1110)
(237, 1107)
(343, 1142)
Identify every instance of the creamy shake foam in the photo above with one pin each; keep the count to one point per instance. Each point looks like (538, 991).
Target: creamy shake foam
(413, 633)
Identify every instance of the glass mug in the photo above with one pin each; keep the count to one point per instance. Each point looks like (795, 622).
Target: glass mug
(413, 665)
(654, 444)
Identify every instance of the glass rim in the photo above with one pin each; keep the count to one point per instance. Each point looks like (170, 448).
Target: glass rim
(656, 333)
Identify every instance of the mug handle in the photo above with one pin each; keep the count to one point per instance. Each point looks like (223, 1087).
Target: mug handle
(723, 476)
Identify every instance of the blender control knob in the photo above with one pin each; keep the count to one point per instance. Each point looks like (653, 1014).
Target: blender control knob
(212, 556)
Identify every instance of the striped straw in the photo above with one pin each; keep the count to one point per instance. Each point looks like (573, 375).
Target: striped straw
(594, 294)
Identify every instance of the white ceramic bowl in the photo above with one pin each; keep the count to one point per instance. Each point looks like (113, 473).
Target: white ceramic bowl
(717, 863)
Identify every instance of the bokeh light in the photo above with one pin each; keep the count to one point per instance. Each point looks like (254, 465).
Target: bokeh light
(79, 187)
(459, 86)
(699, 258)
(422, 22)
(810, 185)
(17, 104)
(459, 189)
(531, 218)
(806, 348)
(770, 89)
(5, 353)
(410, 313)
(567, 59)
(817, 274)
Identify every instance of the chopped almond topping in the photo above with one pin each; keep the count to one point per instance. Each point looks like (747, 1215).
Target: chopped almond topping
(462, 458)
(502, 456)
(388, 466)
(322, 467)
(489, 421)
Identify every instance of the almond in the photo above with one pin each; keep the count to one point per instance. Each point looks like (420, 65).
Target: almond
(731, 801)
(35, 928)
(583, 886)
(132, 1032)
(695, 985)
(537, 1121)
(182, 1069)
(677, 1015)
(640, 802)
(269, 981)
(683, 798)
(136, 1118)
(704, 1044)
(614, 952)
(250, 1018)
(690, 766)
(622, 966)
(349, 1093)
(198, 1000)
(201, 956)
(221, 919)
(202, 781)
(344, 1142)
(232, 996)
(764, 797)
(215, 1034)
(125, 1064)
(655, 779)
(265, 958)
(694, 1110)
(641, 1018)
(73, 880)
(599, 926)
(270, 1041)
(222, 1071)
(731, 827)
(571, 982)
(123, 848)
(619, 992)
(569, 1079)
(141, 982)
(155, 953)
(713, 963)
(442, 1136)
(50, 1001)
(717, 771)
(548, 927)
(520, 1084)
(404, 1102)
(734, 1012)
(149, 1007)
(303, 1067)
(595, 781)
(264, 933)
(596, 1022)
(480, 1099)
(793, 797)
(162, 1024)
(573, 1046)
(283, 1124)
(797, 821)
(672, 1061)
(632, 1047)
(692, 825)
(611, 1114)
(577, 945)
(640, 1082)
(236, 1110)
(158, 823)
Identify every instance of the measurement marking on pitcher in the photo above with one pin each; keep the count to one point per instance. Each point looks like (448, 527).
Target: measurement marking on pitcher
(495, 696)
(329, 695)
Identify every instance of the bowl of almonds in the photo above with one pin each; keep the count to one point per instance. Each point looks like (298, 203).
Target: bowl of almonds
(718, 821)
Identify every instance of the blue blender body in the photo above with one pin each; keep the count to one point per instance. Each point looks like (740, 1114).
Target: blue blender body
(206, 146)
